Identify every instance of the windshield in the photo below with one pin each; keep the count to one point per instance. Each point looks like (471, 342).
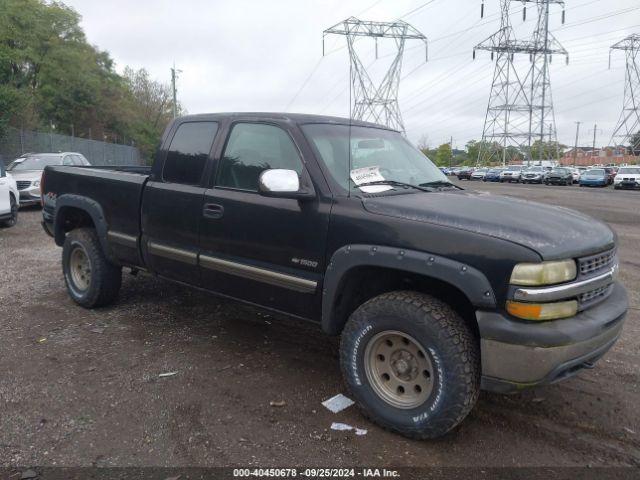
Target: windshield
(534, 169)
(36, 162)
(376, 155)
(595, 173)
(562, 171)
(630, 170)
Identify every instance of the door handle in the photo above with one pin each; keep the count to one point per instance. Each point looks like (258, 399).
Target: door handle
(213, 210)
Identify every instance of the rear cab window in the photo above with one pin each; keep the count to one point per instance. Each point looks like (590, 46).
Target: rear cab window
(188, 152)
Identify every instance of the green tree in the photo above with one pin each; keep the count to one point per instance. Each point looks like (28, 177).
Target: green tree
(150, 109)
(550, 150)
(49, 74)
(444, 156)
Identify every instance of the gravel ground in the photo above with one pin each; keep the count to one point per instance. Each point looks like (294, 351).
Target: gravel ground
(82, 388)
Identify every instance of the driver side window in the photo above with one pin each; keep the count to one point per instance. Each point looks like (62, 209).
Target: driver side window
(253, 148)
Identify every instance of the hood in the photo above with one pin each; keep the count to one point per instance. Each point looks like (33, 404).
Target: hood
(26, 174)
(553, 232)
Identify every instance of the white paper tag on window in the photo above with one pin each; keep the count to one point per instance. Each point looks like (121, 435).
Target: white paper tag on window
(369, 174)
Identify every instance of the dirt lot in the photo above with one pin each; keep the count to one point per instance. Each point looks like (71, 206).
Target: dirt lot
(81, 387)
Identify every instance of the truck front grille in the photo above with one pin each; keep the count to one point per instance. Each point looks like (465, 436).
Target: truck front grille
(597, 262)
(22, 184)
(587, 299)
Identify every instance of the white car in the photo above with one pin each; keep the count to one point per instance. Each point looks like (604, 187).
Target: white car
(27, 171)
(479, 173)
(576, 174)
(627, 177)
(9, 198)
(511, 174)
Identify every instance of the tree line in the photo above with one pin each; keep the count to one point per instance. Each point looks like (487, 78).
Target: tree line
(51, 78)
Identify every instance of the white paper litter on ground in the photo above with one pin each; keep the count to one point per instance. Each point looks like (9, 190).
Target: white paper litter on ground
(168, 374)
(341, 427)
(337, 403)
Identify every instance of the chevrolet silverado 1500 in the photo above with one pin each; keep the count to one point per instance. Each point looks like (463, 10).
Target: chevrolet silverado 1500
(436, 291)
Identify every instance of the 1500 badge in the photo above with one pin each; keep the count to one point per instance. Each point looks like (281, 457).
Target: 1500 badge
(304, 262)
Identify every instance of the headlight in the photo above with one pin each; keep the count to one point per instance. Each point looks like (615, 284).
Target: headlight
(36, 183)
(544, 273)
(542, 311)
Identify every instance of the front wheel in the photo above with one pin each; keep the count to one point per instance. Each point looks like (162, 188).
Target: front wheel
(412, 363)
(13, 219)
(92, 281)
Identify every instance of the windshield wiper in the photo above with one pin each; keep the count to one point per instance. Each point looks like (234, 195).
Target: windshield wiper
(395, 183)
(440, 183)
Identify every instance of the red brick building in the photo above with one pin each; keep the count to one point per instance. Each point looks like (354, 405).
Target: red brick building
(586, 156)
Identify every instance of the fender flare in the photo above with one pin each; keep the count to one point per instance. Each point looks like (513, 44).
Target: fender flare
(466, 278)
(92, 208)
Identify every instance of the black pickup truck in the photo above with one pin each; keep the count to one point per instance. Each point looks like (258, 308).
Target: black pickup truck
(436, 291)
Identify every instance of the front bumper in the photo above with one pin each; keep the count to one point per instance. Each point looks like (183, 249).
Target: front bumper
(30, 196)
(517, 355)
(627, 184)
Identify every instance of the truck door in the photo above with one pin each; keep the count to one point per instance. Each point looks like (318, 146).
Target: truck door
(268, 251)
(172, 203)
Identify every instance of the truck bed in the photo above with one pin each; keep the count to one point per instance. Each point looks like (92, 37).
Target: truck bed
(117, 190)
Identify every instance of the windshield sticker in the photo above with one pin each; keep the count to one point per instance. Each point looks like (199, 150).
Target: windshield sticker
(369, 174)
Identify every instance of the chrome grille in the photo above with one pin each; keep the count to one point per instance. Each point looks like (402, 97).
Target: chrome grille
(597, 262)
(594, 295)
(22, 184)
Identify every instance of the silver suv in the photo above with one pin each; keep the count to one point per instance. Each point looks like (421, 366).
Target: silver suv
(27, 170)
(511, 174)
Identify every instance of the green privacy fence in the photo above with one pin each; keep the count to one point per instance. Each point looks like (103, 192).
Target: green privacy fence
(14, 142)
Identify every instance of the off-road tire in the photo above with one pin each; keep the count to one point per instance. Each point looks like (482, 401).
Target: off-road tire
(105, 278)
(449, 342)
(14, 213)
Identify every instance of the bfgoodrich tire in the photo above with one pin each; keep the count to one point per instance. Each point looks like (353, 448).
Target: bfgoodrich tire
(92, 281)
(412, 363)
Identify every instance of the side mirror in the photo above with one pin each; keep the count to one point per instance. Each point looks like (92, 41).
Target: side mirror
(283, 183)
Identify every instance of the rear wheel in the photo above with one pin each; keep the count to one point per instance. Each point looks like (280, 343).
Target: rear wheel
(412, 363)
(92, 281)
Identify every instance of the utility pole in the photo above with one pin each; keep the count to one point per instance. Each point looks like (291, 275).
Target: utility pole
(575, 148)
(378, 104)
(595, 131)
(451, 147)
(174, 75)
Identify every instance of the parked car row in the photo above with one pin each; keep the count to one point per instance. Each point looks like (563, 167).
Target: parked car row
(596, 176)
(20, 181)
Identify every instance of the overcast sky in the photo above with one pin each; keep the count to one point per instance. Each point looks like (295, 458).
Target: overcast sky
(250, 55)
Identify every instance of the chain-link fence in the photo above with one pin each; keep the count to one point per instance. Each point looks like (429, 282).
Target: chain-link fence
(15, 142)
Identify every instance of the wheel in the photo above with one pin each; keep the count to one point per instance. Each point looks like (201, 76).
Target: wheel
(546, 183)
(92, 281)
(14, 213)
(412, 363)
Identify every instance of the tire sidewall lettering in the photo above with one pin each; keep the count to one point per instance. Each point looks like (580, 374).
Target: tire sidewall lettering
(356, 353)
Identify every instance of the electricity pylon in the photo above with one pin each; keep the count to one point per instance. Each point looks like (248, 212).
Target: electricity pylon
(629, 122)
(369, 102)
(520, 107)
